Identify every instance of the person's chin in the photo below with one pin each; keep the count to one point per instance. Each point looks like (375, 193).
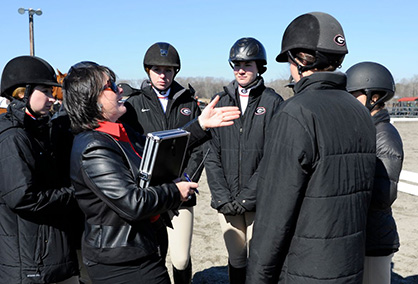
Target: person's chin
(243, 82)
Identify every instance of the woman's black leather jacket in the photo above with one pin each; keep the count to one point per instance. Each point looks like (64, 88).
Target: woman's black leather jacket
(118, 226)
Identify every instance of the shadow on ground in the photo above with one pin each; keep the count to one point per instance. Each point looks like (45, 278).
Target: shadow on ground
(217, 274)
(397, 279)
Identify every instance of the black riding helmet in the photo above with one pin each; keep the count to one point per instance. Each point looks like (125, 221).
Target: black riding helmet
(371, 78)
(24, 71)
(318, 32)
(249, 49)
(162, 54)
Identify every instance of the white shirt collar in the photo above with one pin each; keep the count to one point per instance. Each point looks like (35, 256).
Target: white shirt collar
(162, 94)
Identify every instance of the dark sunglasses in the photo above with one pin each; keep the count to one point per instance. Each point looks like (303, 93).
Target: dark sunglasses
(111, 85)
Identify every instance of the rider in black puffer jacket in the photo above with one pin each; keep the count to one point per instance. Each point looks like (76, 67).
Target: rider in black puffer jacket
(236, 151)
(373, 85)
(382, 236)
(34, 208)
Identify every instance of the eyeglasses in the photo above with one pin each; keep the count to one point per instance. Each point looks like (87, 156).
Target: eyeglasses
(111, 85)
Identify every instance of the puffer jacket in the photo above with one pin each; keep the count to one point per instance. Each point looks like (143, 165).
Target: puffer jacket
(382, 236)
(315, 186)
(118, 227)
(236, 150)
(145, 114)
(34, 234)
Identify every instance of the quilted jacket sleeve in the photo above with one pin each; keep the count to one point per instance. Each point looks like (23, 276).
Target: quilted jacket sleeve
(389, 151)
(17, 184)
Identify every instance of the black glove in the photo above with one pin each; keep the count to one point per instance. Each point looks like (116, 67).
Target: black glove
(227, 209)
(238, 207)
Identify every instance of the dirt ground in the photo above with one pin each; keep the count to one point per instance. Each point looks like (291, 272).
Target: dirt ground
(209, 255)
(405, 211)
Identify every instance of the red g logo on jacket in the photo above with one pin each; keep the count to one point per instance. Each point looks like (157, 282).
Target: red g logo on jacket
(186, 111)
(260, 111)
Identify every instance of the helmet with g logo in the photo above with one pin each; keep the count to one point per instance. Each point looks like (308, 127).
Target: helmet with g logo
(318, 32)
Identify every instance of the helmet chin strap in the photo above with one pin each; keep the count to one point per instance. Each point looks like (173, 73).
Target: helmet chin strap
(152, 84)
(26, 99)
(369, 95)
(320, 61)
(370, 106)
(252, 84)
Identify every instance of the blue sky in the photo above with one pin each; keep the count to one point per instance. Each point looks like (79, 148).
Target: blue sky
(118, 33)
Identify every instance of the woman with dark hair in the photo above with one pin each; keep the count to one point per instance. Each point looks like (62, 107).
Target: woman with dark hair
(119, 242)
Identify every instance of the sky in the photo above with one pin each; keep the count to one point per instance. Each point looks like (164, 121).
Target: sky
(118, 33)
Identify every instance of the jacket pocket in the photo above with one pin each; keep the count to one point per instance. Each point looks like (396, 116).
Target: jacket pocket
(41, 244)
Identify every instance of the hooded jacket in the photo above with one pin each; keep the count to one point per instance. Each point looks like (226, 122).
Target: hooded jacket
(236, 150)
(382, 236)
(314, 188)
(34, 236)
(145, 114)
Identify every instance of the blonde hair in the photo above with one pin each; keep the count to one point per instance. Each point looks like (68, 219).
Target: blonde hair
(19, 93)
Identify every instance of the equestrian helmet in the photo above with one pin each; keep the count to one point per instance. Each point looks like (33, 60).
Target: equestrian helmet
(162, 54)
(371, 77)
(27, 70)
(314, 31)
(249, 49)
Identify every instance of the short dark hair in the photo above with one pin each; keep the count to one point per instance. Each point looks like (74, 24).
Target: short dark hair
(81, 88)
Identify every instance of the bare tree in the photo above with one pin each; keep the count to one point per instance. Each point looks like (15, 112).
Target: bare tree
(207, 87)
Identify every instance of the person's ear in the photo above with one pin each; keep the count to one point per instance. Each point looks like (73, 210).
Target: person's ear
(374, 98)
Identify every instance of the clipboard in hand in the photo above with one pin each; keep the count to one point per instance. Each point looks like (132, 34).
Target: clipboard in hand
(163, 157)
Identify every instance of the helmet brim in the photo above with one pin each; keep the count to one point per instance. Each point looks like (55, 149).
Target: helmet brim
(282, 57)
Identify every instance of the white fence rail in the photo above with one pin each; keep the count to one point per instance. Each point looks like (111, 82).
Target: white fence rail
(408, 182)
